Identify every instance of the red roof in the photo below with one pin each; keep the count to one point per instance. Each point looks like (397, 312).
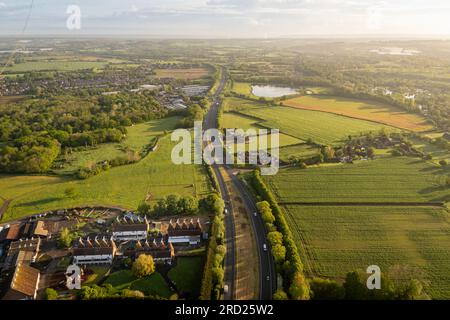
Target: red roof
(13, 232)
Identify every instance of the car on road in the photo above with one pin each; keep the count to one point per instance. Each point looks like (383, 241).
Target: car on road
(268, 278)
(225, 289)
(265, 247)
(255, 214)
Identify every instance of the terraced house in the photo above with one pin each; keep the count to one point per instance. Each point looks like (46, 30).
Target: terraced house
(185, 232)
(94, 251)
(160, 248)
(126, 229)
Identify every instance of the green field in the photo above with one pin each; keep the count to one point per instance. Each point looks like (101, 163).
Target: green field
(236, 120)
(188, 275)
(238, 104)
(242, 88)
(438, 153)
(154, 284)
(54, 66)
(335, 240)
(361, 109)
(381, 180)
(138, 137)
(321, 127)
(154, 176)
(97, 275)
(302, 151)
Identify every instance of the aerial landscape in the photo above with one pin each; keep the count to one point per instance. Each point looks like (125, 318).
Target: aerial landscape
(88, 182)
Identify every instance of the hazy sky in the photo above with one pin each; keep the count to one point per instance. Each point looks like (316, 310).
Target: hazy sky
(230, 18)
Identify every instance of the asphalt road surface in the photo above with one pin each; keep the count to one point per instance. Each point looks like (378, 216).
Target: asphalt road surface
(267, 276)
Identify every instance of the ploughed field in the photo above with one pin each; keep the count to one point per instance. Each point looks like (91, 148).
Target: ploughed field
(361, 109)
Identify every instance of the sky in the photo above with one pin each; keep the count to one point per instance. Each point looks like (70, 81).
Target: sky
(226, 18)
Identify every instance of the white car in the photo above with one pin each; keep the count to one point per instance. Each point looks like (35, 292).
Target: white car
(265, 247)
(225, 289)
(255, 214)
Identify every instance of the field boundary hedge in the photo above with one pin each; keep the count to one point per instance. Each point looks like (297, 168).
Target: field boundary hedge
(212, 177)
(209, 285)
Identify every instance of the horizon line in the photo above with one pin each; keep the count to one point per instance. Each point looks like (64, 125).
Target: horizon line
(282, 37)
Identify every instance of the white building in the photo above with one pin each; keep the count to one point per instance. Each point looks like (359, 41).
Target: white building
(94, 251)
(185, 232)
(130, 229)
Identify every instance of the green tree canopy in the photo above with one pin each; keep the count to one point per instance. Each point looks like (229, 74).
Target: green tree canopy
(143, 266)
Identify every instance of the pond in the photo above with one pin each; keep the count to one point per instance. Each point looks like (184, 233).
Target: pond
(272, 91)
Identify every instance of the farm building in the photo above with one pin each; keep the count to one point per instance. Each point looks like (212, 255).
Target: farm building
(35, 229)
(96, 251)
(12, 233)
(185, 232)
(130, 229)
(24, 283)
(160, 248)
(22, 251)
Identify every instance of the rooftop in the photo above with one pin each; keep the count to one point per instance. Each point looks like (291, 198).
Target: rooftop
(25, 281)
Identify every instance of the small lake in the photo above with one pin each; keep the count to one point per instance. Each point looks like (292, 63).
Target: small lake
(272, 92)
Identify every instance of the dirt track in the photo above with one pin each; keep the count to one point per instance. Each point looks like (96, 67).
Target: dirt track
(4, 207)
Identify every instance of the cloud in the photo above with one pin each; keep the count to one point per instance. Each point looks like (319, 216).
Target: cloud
(232, 17)
(134, 8)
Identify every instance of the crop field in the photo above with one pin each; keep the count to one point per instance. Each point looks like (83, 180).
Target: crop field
(237, 104)
(321, 127)
(138, 137)
(183, 74)
(386, 180)
(335, 240)
(361, 109)
(54, 66)
(235, 120)
(152, 178)
(302, 151)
